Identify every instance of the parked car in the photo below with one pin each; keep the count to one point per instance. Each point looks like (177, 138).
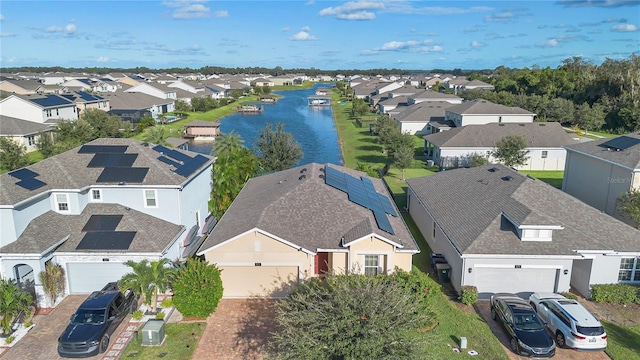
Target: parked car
(527, 334)
(94, 321)
(571, 323)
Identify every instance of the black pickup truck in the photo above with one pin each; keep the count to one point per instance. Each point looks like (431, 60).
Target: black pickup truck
(95, 320)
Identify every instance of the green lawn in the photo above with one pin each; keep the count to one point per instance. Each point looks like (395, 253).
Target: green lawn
(623, 342)
(553, 178)
(180, 343)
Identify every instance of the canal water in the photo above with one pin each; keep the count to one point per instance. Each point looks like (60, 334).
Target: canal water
(312, 127)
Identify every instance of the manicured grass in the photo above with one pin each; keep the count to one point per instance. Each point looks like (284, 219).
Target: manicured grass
(399, 187)
(553, 178)
(623, 343)
(35, 156)
(180, 343)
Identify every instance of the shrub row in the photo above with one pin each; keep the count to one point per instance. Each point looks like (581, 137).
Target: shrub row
(615, 293)
(469, 295)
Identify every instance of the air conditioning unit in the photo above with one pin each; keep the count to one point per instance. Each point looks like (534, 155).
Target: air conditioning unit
(153, 332)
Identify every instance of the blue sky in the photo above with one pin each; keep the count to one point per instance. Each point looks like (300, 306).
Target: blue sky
(329, 35)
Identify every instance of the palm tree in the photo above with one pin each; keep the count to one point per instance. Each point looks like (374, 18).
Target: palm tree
(155, 135)
(13, 301)
(148, 279)
(160, 274)
(226, 143)
(52, 280)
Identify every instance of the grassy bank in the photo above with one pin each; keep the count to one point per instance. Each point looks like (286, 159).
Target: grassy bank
(180, 343)
(553, 178)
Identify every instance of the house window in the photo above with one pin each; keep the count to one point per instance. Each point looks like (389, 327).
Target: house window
(31, 140)
(629, 269)
(57, 112)
(150, 198)
(434, 230)
(372, 264)
(62, 202)
(96, 195)
(48, 112)
(544, 154)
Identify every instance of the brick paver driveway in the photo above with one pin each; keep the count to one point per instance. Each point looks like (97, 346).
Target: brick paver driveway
(42, 341)
(484, 309)
(238, 330)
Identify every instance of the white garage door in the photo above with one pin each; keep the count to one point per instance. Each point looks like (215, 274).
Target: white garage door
(248, 281)
(87, 277)
(516, 281)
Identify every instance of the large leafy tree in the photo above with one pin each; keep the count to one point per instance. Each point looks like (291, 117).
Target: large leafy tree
(387, 130)
(276, 149)
(147, 279)
(12, 154)
(231, 170)
(511, 150)
(13, 302)
(403, 152)
(629, 205)
(103, 124)
(353, 317)
(197, 288)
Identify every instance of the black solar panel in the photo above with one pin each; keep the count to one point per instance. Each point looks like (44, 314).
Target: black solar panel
(102, 223)
(621, 143)
(383, 222)
(122, 174)
(178, 156)
(161, 149)
(51, 100)
(31, 183)
(335, 178)
(386, 204)
(191, 166)
(356, 192)
(106, 240)
(92, 149)
(23, 174)
(166, 160)
(112, 159)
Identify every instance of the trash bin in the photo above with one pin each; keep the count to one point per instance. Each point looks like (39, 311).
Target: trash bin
(443, 270)
(430, 163)
(435, 259)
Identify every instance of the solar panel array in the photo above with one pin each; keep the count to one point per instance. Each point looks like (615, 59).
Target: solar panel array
(101, 234)
(27, 179)
(116, 162)
(621, 143)
(102, 223)
(119, 174)
(362, 192)
(184, 164)
(93, 149)
(112, 159)
(51, 100)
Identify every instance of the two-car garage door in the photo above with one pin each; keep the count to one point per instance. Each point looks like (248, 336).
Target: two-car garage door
(248, 281)
(89, 277)
(515, 280)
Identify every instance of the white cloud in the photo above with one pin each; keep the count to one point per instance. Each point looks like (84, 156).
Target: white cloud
(1, 17)
(189, 10)
(221, 14)
(285, 29)
(476, 44)
(624, 28)
(69, 29)
(102, 59)
(302, 36)
(354, 10)
(425, 46)
(7, 34)
(551, 43)
(500, 17)
(406, 7)
(306, 28)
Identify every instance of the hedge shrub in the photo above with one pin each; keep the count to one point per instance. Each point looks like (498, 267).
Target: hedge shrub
(469, 295)
(615, 293)
(197, 289)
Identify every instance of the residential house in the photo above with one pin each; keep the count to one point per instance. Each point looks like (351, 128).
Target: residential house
(502, 231)
(23, 132)
(455, 147)
(482, 111)
(188, 85)
(39, 108)
(21, 87)
(477, 85)
(420, 118)
(281, 80)
(158, 90)
(85, 100)
(262, 82)
(134, 106)
(78, 84)
(304, 222)
(201, 130)
(428, 95)
(94, 207)
(105, 85)
(598, 172)
(389, 104)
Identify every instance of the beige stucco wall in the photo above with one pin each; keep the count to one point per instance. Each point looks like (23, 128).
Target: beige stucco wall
(375, 246)
(338, 263)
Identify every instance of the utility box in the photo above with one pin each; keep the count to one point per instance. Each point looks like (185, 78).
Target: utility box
(444, 272)
(153, 332)
(463, 342)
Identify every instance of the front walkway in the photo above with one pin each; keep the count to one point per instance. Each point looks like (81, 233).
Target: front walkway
(238, 330)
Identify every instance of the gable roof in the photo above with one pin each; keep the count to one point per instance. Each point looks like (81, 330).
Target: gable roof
(536, 135)
(69, 171)
(468, 204)
(13, 126)
(120, 100)
(47, 100)
(296, 205)
(485, 107)
(423, 112)
(430, 94)
(28, 85)
(152, 235)
(629, 157)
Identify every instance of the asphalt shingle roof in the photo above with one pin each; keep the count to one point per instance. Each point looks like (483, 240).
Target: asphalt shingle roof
(304, 211)
(12, 126)
(485, 107)
(629, 157)
(468, 205)
(536, 134)
(153, 235)
(424, 111)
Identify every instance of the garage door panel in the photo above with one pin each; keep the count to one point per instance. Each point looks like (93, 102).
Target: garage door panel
(85, 278)
(250, 281)
(516, 281)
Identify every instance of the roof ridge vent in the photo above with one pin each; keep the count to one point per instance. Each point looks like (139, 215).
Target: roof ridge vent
(303, 176)
(507, 178)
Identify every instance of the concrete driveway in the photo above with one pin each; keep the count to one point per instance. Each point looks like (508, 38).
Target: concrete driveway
(483, 308)
(42, 341)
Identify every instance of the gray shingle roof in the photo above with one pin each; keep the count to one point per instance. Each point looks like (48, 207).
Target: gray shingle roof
(629, 157)
(69, 171)
(536, 134)
(153, 235)
(304, 211)
(430, 94)
(12, 126)
(485, 107)
(424, 111)
(120, 100)
(468, 205)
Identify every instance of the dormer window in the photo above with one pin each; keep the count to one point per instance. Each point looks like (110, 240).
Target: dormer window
(533, 232)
